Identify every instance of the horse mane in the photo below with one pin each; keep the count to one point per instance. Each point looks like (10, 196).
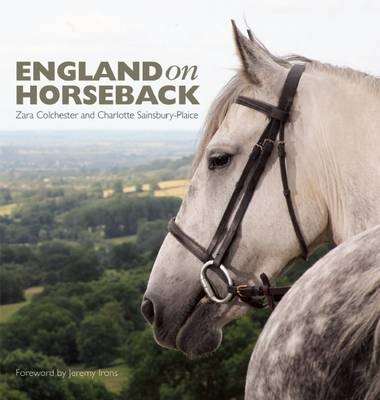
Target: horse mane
(349, 74)
(240, 83)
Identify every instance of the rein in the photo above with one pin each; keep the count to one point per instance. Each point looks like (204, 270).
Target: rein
(220, 244)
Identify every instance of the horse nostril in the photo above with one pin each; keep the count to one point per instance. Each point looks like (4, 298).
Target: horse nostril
(147, 310)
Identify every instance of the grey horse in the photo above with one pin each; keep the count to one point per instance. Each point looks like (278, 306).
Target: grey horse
(332, 142)
(323, 339)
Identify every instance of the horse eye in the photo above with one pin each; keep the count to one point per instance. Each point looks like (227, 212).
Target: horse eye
(218, 161)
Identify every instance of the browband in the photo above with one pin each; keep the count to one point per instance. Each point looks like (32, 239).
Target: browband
(269, 110)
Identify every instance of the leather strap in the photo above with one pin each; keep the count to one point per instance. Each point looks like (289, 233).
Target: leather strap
(268, 109)
(287, 194)
(253, 295)
(188, 242)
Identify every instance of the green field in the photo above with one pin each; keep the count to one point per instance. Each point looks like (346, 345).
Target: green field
(113, 383)
(7, 209)
(7, 310)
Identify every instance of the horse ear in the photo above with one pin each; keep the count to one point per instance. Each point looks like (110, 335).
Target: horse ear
(256, 60)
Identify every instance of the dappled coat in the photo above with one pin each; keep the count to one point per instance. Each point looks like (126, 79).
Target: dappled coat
(323, 340)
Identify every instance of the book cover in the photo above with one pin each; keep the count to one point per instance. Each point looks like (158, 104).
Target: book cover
(189, 200)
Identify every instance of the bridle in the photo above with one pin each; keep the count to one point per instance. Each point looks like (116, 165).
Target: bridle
(240, 199)
(218, 249)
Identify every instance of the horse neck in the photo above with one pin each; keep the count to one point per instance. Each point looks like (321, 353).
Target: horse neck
(348, 143)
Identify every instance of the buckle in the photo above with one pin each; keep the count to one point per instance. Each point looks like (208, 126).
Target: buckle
(239, 288)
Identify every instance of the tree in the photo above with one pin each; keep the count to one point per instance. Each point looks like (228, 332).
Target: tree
(5, 196)
(169, 375)
(120, 216)
(36, 388)
(98, 341)
(7, 393)
(150, 236)
(124, 288)
(17, 386)
(16, 255)
(125, 255)
(118, 186)
(11, 287)
(85, 390)
(45, 326)
(61, 262)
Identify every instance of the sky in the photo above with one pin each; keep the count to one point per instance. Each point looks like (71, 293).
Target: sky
(196, 32)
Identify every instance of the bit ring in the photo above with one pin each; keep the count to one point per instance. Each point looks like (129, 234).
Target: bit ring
(207, 285)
